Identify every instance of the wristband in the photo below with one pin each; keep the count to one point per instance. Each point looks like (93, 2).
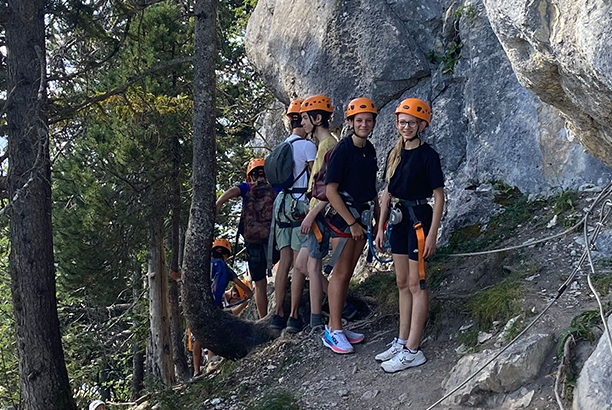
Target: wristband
(353, 223)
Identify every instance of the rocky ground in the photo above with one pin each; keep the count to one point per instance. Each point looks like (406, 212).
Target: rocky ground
(296, 371)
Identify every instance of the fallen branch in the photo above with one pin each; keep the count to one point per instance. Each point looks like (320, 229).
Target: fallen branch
(562, 371)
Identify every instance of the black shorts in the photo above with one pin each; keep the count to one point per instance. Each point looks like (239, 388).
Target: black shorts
(403, 238)
(256, 258)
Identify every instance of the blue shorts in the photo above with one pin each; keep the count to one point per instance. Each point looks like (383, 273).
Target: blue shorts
(403, 238)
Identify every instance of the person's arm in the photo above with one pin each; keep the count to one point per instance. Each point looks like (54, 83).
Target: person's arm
(311, 215)
(233, 192)
(336, 201)
(382, 218)
(432, 236)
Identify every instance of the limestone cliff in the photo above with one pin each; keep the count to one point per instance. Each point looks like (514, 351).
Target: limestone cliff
(486, 125)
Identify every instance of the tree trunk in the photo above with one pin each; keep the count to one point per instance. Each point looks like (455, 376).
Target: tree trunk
(224, 334)
(176, 326)
(159, 308)
(42, 372)
(137, 355)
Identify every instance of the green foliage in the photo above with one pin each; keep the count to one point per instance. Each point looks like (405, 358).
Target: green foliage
(466, 10)
(580, 328)
(497, 303)
(9, 377)
(381, 289)
(449, 57)
(452, 54)
(280, 400)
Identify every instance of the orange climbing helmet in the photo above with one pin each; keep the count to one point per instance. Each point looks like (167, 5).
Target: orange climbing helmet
(242, 293)
(415, 107)
(294, 108)
(254, 163)
(222, 243)
(317, 102)
(360, 105)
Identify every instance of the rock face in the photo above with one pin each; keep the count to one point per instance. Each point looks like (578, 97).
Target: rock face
(594, 386)
(486, 125)
(560, 51)
(519, 365)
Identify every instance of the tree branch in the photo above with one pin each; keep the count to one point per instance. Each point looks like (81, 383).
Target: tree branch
(95, 64)
(69, 112)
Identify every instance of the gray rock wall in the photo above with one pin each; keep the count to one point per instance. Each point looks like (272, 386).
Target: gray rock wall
(560, 51)
(486, 125)
(594, 385)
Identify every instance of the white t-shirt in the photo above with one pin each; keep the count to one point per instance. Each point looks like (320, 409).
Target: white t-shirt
(304, 152)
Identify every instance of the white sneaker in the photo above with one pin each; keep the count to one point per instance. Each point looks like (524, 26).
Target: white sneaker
(336, 341)
(404, 360)
(353, 337)
(390, 352)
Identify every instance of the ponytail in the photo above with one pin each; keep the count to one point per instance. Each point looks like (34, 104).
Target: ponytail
(395, 157)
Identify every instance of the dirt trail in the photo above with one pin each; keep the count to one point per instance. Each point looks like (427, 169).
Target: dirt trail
(300, 365)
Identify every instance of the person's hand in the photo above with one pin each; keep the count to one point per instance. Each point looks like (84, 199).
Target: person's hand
(306, 225)
(357, 231)
(379, 241)
(430, 246)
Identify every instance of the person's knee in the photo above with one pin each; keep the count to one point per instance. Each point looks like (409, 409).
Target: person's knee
(403, 284)
(414, 286)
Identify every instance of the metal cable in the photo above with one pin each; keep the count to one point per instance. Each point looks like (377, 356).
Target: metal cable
(601, 195)
(560, 291)
(599, 226)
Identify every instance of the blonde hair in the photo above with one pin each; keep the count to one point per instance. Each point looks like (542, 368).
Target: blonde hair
(395, 157)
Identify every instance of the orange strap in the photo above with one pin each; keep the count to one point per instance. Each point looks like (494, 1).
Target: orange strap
(418, 228)
(317, 232)
(189, 340)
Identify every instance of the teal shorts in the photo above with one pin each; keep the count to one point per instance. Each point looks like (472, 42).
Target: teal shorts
(287, 229)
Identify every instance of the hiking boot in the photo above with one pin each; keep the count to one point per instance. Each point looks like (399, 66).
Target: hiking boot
(353, 337)
(337, 342)
(294, 325)
(278, 322)
(348, 311)
(390, 352)
(404, 360)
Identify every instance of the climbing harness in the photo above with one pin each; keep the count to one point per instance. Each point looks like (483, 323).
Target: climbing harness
(607, 191)
(367, 217)
(343, 235)
(418, 229)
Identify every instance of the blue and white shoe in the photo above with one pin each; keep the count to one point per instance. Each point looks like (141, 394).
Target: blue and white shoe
(337, 342)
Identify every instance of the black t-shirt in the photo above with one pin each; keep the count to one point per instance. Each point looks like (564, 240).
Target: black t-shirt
(417, 175)
(354, 169)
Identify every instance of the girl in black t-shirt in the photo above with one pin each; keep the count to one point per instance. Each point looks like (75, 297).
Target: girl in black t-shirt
(350, 185)
(413, 174)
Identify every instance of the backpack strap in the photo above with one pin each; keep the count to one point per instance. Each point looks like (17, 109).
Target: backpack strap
(297, 190)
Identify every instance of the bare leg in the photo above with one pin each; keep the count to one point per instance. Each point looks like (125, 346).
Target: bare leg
(341, 277)
(420, 307)
(300, 259)
(316, 284)
(197, 357)
(261, 297)
(282, 277)
(405, 297)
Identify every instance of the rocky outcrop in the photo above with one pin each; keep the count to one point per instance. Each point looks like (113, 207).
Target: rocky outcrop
(594, 386)
(561, 51)
(516, 367)
(486, 125)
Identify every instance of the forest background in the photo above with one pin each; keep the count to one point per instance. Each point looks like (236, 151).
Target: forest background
(120, 107)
